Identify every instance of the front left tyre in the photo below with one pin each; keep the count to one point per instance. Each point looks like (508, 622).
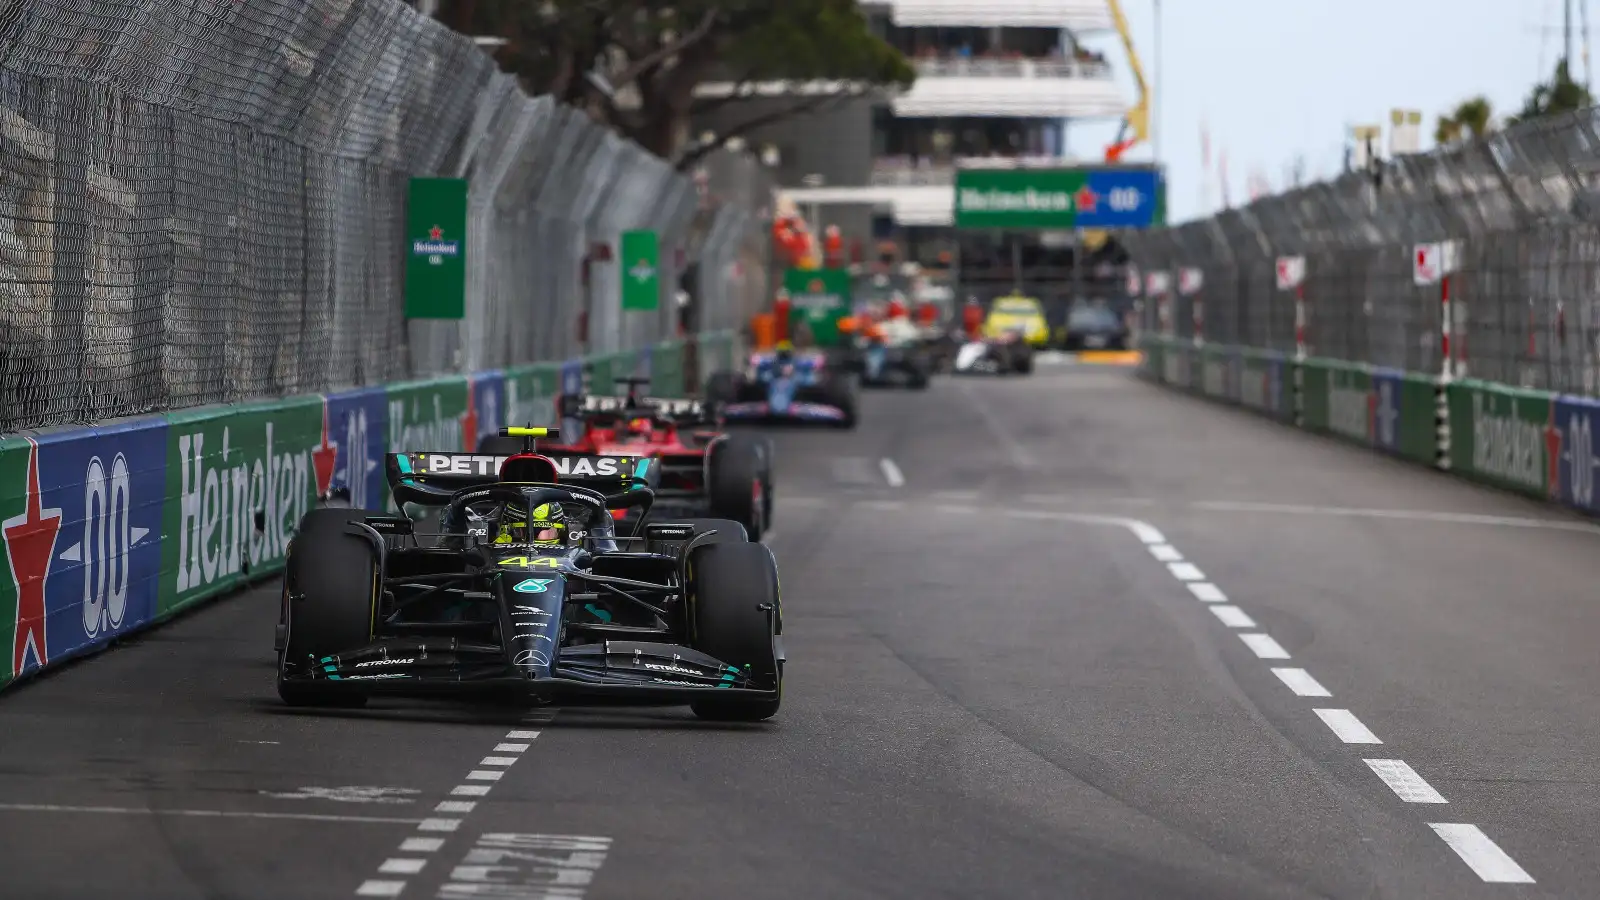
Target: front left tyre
(331, 597)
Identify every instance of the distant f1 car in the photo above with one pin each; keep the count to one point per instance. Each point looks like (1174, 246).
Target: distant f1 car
(785, 386)
(697, 471)
(880, 362)
(1004, 355)
(688, 612)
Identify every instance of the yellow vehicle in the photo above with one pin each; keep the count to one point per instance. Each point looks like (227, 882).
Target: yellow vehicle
(1017, 313)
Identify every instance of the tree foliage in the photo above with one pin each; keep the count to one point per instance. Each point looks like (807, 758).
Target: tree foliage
(635, 64)
(1472, 119)
(1558, 95)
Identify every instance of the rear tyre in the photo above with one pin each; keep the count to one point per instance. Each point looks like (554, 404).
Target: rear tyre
(736, 489)
(722, 388)
(732, 617)
(919, 372)
(1024, 361)
(843, 394)
(331, 601)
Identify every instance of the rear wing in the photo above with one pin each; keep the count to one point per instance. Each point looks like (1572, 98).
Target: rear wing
(599, 407)
(429, 478)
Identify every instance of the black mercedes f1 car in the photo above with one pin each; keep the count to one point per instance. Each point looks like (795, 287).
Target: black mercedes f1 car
(685, 613)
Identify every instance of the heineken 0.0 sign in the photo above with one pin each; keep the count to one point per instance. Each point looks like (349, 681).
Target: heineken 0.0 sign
(1085, 197)
(436, 249)
(641, 273)
(819, 298)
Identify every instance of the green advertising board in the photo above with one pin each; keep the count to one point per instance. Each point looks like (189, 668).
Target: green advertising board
(641, 270)
(436, 249)
(1501, 435)
(1080, 197)
(818, 299)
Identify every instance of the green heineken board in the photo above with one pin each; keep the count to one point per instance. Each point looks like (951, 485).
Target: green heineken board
(819, 298)
(641, 270)
(436, 249)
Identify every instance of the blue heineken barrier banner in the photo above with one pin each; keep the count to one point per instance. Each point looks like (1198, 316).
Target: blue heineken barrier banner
(80, 514)
(356, 425)
(1571, 438)
(1384, 400)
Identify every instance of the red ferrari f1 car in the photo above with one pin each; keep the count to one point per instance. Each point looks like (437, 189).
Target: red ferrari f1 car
(694, 467)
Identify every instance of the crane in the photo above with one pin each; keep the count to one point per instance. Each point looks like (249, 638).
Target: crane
(1135, 128)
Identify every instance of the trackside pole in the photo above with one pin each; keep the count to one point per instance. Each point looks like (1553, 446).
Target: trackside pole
(1446, 366)
(1300, 321)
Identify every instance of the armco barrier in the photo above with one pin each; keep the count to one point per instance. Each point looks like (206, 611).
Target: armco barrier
(112, 528)
(1503, 436)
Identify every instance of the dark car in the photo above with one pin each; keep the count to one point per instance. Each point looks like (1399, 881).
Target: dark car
(1093, 325)
(685, 613)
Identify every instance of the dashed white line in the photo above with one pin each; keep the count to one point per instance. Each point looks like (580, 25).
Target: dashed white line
(515, 741)
(1205, 590)
(1481, 854)
(1233, 616)
(1301, 682)
(1165, 552)
(1186, 571)
(401, 866)
(1144, 531)
(1264, 646)
(891, 472)
(1404, 781)
(203, 813)
(1346, 727)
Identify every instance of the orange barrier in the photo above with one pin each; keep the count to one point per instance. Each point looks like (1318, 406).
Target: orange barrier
(764, 330)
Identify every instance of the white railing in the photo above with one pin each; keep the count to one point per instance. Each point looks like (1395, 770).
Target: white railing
(901, 171)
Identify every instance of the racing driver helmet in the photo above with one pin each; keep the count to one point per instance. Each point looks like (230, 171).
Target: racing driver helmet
(546, 524)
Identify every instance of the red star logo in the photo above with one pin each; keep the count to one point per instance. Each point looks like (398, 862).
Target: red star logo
(436, 233)
(1552, 452)
(30, 544)
(1086, 199)
(324, 456)
(469, 422)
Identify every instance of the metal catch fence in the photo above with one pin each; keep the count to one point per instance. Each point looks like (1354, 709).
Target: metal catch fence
(203, 201)
(1522, 208)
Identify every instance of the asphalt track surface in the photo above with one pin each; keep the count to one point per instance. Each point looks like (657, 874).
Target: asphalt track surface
(1004, 681)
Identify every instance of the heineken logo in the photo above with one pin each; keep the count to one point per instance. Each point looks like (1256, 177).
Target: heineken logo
(435, 246)
(1507, 447)
(1349, 412)
(1027, 200)
(642, 271)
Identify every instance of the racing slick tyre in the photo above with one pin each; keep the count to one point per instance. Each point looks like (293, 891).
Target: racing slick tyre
(1023, 361)
(769, 452)
(331, 597)
(919, 373)
(732, 617)
(843, 393)
(736, 488)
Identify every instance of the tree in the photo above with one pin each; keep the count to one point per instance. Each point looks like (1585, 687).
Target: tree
(635, 64)
(1472, 119)
(1560, 94)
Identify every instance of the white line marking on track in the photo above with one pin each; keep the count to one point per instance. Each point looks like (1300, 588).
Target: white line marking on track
(1144, 531)
(484, 775)
(456, 806)
(1412, 515)
(1232, 616)
(1186, 571)
(498, 761)
(398, 866)
(1346, 727)
(1301, 682)
(521, 735)
(380, 888)
(439, 825)
(1264, 646)
(1404, 781)
(510, 748)
(470, 790)
(200, 813)
(1483, 855)
(891, 472)
(1205, 590)
(421, 845)
(1165, 552)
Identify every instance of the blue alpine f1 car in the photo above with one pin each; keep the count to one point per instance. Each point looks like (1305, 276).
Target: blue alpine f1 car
(785, 386)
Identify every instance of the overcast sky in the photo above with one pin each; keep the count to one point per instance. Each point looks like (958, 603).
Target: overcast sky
(1278, 78)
